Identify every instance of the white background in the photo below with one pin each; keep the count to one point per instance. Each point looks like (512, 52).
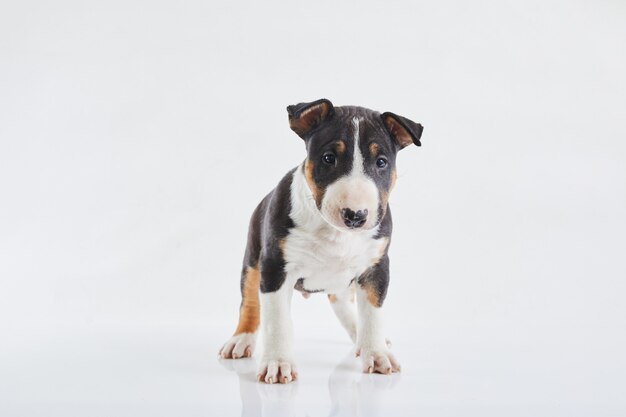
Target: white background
(136, 138)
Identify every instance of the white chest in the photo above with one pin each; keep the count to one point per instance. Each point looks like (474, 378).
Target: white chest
(328, 259)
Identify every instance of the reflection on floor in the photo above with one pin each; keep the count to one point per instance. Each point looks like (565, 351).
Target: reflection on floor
(351, 392)
(103, 371)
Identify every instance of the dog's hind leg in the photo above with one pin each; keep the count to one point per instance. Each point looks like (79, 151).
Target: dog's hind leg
(345, 309)
(241, 344)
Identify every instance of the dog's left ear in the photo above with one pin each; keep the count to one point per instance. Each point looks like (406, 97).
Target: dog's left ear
(304, 117)
(402, 130)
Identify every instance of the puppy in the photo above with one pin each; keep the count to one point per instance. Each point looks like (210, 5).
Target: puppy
(326, 228)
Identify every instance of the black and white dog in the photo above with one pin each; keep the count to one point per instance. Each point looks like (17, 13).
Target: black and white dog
(326, 228)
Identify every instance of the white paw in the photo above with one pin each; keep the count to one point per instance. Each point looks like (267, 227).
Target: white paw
(239, 346)
(277, 370)
(379, 360)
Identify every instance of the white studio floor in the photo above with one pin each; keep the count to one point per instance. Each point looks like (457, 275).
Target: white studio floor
(137, 137)
(451, 371)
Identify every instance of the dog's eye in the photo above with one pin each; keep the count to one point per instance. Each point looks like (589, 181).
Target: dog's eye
(329, 159)
(381, 162)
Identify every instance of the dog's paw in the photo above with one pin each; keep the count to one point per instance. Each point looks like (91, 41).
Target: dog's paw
(277, 370)
(380, 361)
(238, 346)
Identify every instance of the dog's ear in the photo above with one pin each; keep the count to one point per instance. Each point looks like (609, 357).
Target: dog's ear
(304, 117)
(402, 130)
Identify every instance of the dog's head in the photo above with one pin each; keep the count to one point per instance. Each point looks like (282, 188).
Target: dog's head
(351, 159)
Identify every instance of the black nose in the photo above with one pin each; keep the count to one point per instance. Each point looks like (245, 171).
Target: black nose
(354, 219)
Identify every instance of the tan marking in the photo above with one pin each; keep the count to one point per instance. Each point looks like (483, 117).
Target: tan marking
(374, 149)
(250, 312)
(384, 201)
(384, 195)
(309, 118)
(398, 132)
(353, 291)
(332, 298)
(317, 192)
(341, 147)
(372, 295)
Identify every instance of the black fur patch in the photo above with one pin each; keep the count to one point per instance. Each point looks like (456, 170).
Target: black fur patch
(376, 281)
(270, 224)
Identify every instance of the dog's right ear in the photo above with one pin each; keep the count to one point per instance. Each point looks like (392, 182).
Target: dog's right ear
(305, 117)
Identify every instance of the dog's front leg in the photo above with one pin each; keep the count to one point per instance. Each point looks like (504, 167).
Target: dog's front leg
(277, 364)
(371, 342)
